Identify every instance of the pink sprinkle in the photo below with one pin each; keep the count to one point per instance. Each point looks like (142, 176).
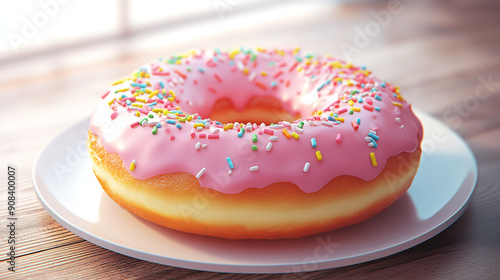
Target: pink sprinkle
(134, 124)
(342, 111)
(369, 101)
(368, 107)
(339, 138)
(213, 136)
(172, 138)
(268, 131)
(355, 125)
(217, 78)
(192, 133)
(195, 82)
(143, 111)
(260, 132)
(104, 95)
(212, 90)
(202, 135)
(114, 115)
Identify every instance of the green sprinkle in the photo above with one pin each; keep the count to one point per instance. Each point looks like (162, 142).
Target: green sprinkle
(301, 124)
(254, 147)
(188, 69)
(150, 115)
(351, 112)
(154, 130)
(254, 138)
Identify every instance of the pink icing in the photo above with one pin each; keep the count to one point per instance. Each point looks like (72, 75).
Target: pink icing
(199, 79)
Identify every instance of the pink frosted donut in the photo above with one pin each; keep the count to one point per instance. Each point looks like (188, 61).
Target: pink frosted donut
(260, 144)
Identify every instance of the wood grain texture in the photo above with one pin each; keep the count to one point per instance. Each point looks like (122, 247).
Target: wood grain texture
(435, 50)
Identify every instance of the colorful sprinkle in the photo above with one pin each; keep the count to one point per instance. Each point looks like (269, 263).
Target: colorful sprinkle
(202, 171)
(254, 168)
(319, 157)
(230, 163)
(132, 165)
(373, 159)
(313, 142)
(306, 167)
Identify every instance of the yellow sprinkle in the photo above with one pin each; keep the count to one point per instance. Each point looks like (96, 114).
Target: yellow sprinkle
(338, 79)
(295, 135)
(111, 102)
(165, 111)
(117, 82)
(122, 90)
(153, 93)
(189, 118)
(307, 61)
(199, 125)
(331, 114)
(137, 114)
(296, 51)
(245, 71)
(137, 105)
(286, 133)
(135, 94)
(228, 126)
(356, 109)
(396, 90)
(171, 92)
(178, 62)
(348, 65)
(319, 156)
(263, 73)
(157, 110)
(350, 103)
(132, 165)
(339, 119)
(299, 68)
(182, 120)
(140, 100)
(147, 82)
(320, 113)
(400, 97)
(374, 160)
(171, 99)
(397, 104)
(261, 50)
(148, 90)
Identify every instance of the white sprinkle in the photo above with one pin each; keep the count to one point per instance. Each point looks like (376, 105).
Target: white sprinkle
(174, 80)
(368, 139)
(311, 123)
(298, 129)
(327, 123)
(402, 126)
(273, 138)
(189, 103)
(252, 76)
(200, 173)
(306, 166)
(215, 131)
(240, 65)
(181, 81)
(278, 126)
(370, 144)
(171, 116)
(199, 128)
(204, 146)
(248, 128)
(373, 132)
(269, 146)
(262, 125)
(286, 123)
(170, 84)
(144, 123)
(398, 120)
(254, 168)
(230, 172)
(332, 108)
(197, 146)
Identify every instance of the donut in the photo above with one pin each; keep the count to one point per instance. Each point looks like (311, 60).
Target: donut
(254, 143)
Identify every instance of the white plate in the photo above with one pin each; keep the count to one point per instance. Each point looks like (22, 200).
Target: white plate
(440, 193)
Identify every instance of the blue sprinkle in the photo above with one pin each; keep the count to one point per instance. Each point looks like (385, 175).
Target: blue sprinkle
(170, 121)
(360, 100)
(377, 109)
(217, 122)
(178, 126)
(313, 142)
(320, 87)
(363, 67)
(158, 125)
(230, 162)
(382, 84)
(152, 104)
(231, 63)
(358, 120)
(138, 85)
(374, 136)
(240, 134)
(330, 118)
(123, 96)
(162, 85)
(378, 97)
(395, 95)
(338, 122)
(374, 143)
(217, 50)
(362, 85)
(273, 83)
(201, 70)
(335, 115)
(339, 82)
(128, 102)
(373, 89)
(176, 111)
(160, 96)
(214, 59)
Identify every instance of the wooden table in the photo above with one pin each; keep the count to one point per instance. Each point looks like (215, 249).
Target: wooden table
(439, 52)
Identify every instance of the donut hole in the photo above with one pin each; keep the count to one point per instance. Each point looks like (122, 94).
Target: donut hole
(259, 109)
